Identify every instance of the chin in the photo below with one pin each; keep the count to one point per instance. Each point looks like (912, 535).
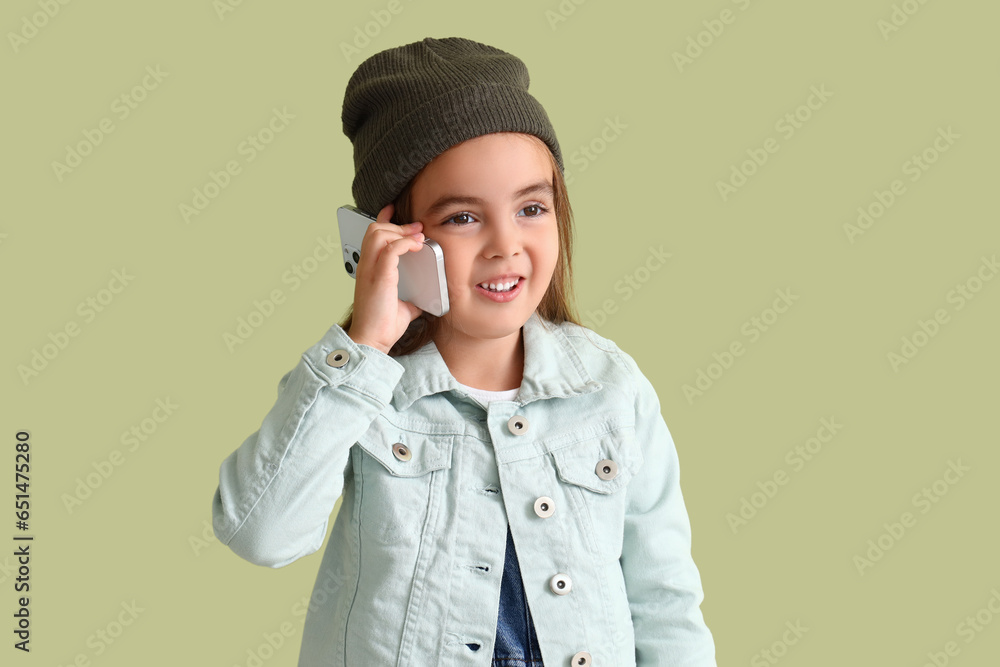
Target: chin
(496, 327)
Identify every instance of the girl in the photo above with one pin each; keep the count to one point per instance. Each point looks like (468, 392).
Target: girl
(510, 489)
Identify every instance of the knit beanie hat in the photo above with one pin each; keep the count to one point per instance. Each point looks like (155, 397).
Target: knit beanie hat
(406, 105)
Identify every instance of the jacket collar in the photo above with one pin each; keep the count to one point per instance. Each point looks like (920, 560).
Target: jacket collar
(552, 369)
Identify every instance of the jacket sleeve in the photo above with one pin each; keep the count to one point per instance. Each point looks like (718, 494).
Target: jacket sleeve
(661, 579)
(277, 490)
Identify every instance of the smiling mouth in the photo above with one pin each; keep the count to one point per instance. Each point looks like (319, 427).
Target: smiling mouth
(501, 295)
(501, 287)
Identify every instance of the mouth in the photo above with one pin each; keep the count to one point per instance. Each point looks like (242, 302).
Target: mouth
(503, 292)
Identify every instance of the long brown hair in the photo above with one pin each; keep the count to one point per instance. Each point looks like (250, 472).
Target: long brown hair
(557, 305)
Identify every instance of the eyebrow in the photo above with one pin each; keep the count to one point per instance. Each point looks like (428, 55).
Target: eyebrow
(443, 202)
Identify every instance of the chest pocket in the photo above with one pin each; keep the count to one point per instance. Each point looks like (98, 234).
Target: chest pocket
(402, 481)
(595, 475)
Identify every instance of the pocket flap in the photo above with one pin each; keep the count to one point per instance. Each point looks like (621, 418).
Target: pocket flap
(577, 463)
(426, 452)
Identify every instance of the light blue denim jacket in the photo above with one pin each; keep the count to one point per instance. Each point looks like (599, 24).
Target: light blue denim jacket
(581, 464)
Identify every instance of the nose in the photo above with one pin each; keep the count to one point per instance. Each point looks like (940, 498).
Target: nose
(504, 238)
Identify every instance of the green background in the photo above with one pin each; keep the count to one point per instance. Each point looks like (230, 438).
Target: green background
(144, 534)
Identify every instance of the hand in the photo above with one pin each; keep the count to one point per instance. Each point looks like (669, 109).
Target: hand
(380, 317)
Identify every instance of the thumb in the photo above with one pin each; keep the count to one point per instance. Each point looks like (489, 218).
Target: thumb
(414, 311)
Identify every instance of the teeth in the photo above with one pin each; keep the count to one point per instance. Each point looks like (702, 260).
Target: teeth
(499, 287)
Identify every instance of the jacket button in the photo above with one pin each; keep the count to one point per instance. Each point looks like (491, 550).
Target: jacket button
(544, 507)
(581, 659)
(518, 425)
(607, 469)
(561, 584)
(338, 358)
(401, 451)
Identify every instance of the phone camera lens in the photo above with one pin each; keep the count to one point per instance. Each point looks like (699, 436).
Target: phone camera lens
(349, 267)
(357, 257)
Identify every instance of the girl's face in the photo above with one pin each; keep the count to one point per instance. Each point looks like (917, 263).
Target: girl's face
(489, 203)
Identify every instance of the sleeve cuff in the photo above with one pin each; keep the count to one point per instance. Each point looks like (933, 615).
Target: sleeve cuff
(339, 360)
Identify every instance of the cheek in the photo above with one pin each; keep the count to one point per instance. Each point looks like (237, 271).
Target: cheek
(552, 249)
(456, 267)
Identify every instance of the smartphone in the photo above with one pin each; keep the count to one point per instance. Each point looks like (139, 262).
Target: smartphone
(421, 274)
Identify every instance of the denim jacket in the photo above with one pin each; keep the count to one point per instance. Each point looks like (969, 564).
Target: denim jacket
(581, 465)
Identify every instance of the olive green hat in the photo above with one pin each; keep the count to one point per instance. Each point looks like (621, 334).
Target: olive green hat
(406, 105)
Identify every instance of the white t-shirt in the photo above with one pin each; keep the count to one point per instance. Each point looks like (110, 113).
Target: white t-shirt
(484, 396)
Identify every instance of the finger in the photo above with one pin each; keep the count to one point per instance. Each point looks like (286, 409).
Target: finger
(377, 238)
(386, 263)
(384, 218)
(397, 230)
(402, 244)
(385, 215)
(415, 311)
(392, 236)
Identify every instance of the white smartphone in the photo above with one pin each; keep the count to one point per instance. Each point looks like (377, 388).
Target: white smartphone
(421, 274)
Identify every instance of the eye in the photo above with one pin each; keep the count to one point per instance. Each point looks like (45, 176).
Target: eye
(464, 218)
(454, 219)
(542, 210)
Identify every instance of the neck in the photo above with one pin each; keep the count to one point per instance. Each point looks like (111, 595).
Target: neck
(493, 364)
